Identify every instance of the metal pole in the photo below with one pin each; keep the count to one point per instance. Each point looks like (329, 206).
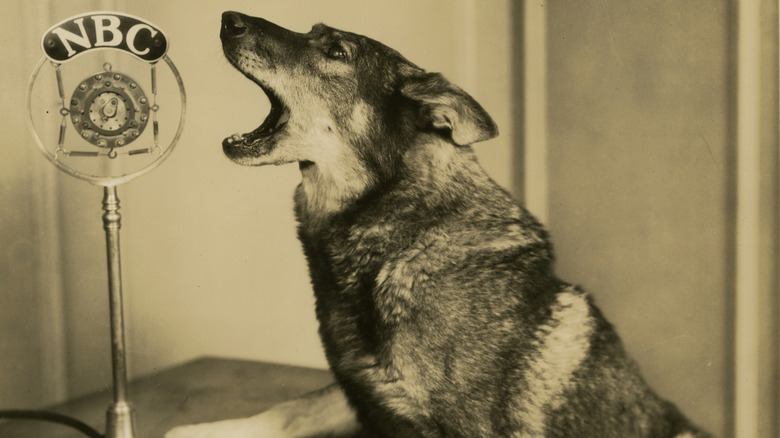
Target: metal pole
(119, 415)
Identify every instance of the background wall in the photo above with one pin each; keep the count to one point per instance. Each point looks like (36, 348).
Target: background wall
(639, 181)
(633, 178)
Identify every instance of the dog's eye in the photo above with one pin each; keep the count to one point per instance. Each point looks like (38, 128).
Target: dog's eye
(337, 51)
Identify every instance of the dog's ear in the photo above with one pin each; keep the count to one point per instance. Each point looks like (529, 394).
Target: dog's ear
(444, 106)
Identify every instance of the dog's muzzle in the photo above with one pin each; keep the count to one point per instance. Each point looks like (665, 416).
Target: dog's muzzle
(240, 36)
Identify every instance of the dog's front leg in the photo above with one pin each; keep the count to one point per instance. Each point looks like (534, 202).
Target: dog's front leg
(318, 414)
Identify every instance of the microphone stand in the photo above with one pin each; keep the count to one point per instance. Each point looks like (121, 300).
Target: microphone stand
(119, 415)
(120, 421)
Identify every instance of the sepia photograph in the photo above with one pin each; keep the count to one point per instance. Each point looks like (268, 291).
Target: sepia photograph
(406, 218)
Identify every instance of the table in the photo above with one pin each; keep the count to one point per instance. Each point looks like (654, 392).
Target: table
(203, 390)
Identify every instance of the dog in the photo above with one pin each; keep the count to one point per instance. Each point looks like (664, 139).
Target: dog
(439, 311)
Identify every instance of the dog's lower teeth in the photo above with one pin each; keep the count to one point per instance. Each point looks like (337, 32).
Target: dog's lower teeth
(282, 119)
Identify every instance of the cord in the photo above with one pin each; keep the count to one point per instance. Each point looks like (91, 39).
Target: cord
(52, 417)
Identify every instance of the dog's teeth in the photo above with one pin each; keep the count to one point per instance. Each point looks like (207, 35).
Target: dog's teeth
(283, 119)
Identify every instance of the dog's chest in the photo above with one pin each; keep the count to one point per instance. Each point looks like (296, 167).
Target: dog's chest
(365, 278)
(347, 262)
(360, 253)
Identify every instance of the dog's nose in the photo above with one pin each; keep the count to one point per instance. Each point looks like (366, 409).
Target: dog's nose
(232, 25)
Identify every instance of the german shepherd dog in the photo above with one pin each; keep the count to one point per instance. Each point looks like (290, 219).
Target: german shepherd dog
(439, 311)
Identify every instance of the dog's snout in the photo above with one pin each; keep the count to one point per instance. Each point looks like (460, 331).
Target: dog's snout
(233, 25)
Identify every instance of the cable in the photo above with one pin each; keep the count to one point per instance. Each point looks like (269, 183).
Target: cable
(52, 417)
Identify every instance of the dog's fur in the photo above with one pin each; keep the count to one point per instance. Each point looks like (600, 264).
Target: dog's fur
(439, 310)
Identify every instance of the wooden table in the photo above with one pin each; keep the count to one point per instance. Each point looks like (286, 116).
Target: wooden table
(203, 390)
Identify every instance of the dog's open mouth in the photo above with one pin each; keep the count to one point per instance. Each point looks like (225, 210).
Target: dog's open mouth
(274, 123)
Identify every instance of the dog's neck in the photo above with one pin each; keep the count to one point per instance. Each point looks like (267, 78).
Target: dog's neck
(326, 190)
(433, 166)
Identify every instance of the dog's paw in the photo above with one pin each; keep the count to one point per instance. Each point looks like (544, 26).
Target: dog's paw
(205, 431)
(255, 427)
(193, 431)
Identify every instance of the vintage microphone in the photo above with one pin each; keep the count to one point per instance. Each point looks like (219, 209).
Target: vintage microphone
(88, 136)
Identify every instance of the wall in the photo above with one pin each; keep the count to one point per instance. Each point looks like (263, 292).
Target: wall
(640, 177)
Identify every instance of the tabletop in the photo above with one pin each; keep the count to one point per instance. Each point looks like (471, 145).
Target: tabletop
(203, 390)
